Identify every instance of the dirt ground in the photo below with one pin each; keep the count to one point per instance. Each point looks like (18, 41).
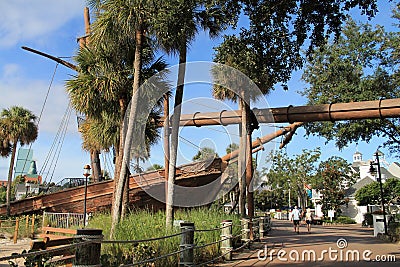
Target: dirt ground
(7, 247)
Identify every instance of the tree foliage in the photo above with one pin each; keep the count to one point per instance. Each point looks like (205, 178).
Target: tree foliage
(370, 193)
(270, 48)
(365, 59)
(205, 153)
(17, 125)
(331, 180)
(154, 167)
(293, 172)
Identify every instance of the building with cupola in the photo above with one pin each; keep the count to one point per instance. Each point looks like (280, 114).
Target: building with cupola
(365, 177)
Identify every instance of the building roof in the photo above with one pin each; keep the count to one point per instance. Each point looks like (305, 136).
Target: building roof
(350, 192)
(356, 168)
(386, 173)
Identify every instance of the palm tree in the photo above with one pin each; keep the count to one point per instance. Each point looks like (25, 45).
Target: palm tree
(118, 19)
(103, 88)
(16, 125)
(176, 26)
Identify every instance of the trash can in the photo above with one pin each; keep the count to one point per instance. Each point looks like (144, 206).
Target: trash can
(379, 226)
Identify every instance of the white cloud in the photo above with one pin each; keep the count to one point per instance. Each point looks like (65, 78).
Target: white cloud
(23, 20)
(18, 90)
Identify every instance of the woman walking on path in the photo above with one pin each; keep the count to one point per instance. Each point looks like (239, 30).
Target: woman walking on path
(308, 218)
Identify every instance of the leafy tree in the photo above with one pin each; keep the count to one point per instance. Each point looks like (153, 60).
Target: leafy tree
(363, 56)
(3, 194)
(333, 174)
(206, 153)
(263, 199)
(18, 180)
(17, 125)
(292, 173)
(371, 194)
(155, 167)
(231, 147)
(368, 194)
(270, 48)
(391, 190)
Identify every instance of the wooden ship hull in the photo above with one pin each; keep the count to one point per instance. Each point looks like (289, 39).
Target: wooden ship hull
(100, 195)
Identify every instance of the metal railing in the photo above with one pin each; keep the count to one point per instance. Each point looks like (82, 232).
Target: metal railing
(62, 220)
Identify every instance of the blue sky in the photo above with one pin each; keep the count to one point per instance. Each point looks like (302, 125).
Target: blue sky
(53, 26)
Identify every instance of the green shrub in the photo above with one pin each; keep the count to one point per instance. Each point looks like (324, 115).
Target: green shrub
(394, 230)
(340, 219)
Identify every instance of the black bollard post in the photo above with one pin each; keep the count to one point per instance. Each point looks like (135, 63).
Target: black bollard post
(88, 255)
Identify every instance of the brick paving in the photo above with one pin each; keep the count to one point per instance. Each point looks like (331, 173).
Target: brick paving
(283, 245)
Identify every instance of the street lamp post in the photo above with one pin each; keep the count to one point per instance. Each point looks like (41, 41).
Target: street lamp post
(86, 173)
(288, 180)
(372, 170)
(289, 193)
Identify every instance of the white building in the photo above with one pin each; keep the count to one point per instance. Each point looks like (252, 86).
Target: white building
(365, 177)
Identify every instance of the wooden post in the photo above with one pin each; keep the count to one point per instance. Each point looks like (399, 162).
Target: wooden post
(27, 224)
(249, 165)
(226, 237)
(242, 162)
(16, 230)
(255, 228)
(88, 255)
(245, 229)
(187, 240)
(261, 228)
(33, 225)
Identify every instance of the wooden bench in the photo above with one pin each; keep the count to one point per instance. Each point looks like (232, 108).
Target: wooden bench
(52, 237)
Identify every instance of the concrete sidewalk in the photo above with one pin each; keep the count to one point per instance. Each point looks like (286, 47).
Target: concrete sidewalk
(349, 245)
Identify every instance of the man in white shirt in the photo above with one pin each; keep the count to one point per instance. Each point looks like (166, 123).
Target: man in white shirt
(296, 219)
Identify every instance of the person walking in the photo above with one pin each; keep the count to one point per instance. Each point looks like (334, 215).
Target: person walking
(308, 218)
(296, 219)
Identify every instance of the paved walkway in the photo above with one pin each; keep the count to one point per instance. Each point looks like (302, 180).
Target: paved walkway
(349, 245)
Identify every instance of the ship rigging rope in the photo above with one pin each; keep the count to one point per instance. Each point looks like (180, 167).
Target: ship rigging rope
(107, 163)
(55, 150)
(41, 111)
(61, 141)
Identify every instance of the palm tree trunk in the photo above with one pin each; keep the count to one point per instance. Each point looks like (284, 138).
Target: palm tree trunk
(166, 142)
(10, 173)
(125, 198)
(95, 162)
(119, 149)
(169, 213)
(117, 206)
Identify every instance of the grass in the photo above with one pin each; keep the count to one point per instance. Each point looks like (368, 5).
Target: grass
(7, 226)
(145, 224)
